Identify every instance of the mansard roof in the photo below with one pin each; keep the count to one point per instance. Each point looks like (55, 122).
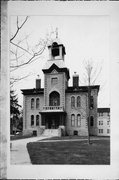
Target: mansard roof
(102, 110)
(58, 69)
(72, 89)
(33, 91)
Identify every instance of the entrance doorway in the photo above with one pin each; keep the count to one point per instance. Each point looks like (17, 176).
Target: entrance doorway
(52, 121)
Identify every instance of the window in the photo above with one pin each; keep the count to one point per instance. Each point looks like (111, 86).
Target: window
(72, 102)
(54, 81)
(54, 99)
(100, 122)
(78, 101)
(107, 122)
(91, 102)
(78, 120)
(100, 130)
(32, 103)
(91, 121)
(108, 131)
(72, 120)
(32, 120)
(37, 120)
(37, 103)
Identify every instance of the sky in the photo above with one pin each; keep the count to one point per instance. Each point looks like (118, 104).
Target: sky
(84, 37)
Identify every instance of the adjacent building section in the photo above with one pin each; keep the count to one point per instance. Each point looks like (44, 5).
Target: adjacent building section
(103, 122)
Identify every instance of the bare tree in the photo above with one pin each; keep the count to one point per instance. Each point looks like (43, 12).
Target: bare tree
(92, 72)
(21, 52)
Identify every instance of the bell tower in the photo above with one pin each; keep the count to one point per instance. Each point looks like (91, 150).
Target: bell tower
(56, 75)
(56, 51)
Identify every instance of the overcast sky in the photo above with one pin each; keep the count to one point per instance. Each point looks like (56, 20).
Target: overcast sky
(84, 38)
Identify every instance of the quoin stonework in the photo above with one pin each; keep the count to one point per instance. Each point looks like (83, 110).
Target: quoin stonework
(59, 109)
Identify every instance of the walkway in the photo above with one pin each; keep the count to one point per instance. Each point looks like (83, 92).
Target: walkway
(18, 152)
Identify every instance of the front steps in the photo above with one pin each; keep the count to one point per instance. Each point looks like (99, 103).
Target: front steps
(51, 132)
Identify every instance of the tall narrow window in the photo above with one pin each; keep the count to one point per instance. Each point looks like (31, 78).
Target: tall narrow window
(72, 120)
(37, 120)
(54, 99)
(32, 103)
(78, 101)
(78, 120)
(32, 120)
(54, 81)
(37, 103)
(91, 102)
(72, 102)
(91, 121)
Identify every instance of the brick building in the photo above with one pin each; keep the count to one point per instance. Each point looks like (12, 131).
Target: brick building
(58, 107)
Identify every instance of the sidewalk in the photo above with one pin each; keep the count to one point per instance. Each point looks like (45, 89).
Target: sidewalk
(18, 152)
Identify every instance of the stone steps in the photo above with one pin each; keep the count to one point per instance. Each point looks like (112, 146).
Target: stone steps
(51, 132)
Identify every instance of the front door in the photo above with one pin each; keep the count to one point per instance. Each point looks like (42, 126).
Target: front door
(52, 121)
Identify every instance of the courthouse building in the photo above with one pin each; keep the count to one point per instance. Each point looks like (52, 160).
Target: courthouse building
(58, 108)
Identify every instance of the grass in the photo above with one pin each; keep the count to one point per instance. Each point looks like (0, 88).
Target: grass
(73, 137)
(70, 152)
(20, 136)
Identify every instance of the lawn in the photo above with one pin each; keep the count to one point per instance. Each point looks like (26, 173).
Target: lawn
(20, 136)
(70, 152)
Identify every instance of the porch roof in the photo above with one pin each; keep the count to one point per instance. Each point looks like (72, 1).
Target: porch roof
(52, 112)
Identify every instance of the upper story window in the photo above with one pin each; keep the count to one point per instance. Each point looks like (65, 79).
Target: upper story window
(91, 121)
(54, 80)
(100, 122)
(37, 120)
(32, 120)
(107, 122)
(72, 102)
(72, 120)
(101, 114)
(91, 102)
(37, 103)
(54, 99)
(78, 120)
(32, 103)
(78, 101)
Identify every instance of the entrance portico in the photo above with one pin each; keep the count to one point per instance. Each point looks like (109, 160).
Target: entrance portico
(53, 119)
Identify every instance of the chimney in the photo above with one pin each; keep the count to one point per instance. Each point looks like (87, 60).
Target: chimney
(38, 83)
(75, 80)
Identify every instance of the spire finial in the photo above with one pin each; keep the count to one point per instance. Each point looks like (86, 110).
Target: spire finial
(56, 33)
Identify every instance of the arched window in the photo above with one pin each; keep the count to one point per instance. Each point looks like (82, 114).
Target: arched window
(37, 103)
(37, 120)
(32, 103)
(91, 102)
(54, 99)
(72, 120)
(78, 120)
(72, 102)
(32, 120)
(78, 101)
(91, 121)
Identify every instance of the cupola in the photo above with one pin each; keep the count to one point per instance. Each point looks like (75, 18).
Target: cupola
(56, 51)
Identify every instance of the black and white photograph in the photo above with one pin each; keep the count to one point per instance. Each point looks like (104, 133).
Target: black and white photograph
(60, 90)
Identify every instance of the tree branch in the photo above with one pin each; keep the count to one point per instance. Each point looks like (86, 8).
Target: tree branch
(18, 28)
